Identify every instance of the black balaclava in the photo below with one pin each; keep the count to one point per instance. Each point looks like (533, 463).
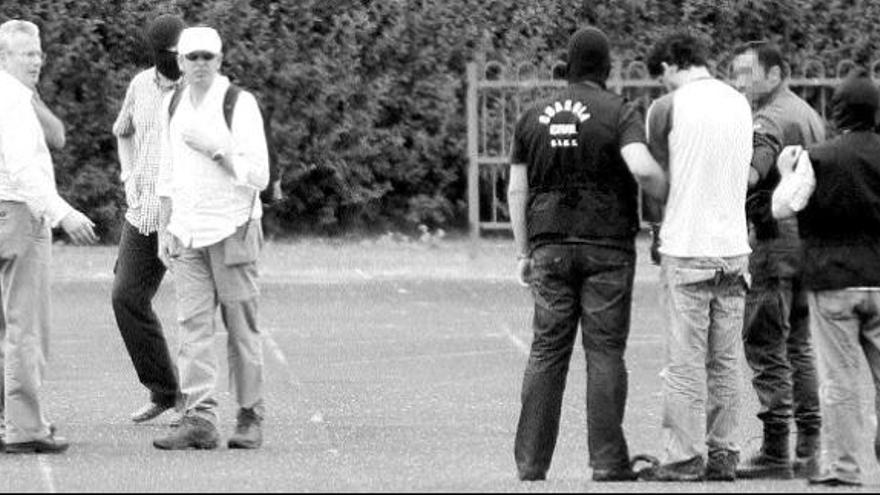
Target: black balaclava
(855, 103)
(589, 56)
(162, 36)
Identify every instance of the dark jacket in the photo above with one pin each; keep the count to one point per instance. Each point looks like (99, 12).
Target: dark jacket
(840, 225)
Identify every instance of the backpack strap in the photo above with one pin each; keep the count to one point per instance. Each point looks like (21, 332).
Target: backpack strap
(230, 98)
(175, 101)
(229, 101)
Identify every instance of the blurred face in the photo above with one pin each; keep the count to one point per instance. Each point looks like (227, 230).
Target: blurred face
(24, 59)
(200, 67)
(750, 78)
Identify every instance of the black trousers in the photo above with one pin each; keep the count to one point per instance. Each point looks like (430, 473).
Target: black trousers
(138, 273)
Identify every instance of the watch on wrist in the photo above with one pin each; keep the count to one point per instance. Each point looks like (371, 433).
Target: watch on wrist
(218, 155)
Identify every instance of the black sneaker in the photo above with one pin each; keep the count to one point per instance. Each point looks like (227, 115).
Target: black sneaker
(762, 466)
(248, 431)
(193, 433)
(687, 470)
(722, 465)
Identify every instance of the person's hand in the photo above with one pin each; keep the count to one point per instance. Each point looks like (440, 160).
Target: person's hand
(754, 177)
(523, 270)
(202, 142)
(169, 248)
(79, 228)
(788, 159)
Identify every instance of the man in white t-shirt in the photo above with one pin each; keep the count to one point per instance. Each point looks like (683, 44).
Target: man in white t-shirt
(702, 131)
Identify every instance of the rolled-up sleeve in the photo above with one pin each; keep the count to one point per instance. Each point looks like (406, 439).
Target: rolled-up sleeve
(249, 154)
(21, 145)
(123, 129)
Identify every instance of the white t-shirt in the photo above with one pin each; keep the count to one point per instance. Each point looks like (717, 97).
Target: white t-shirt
(703, 133)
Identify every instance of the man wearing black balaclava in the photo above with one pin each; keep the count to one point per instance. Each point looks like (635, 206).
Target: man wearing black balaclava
(138, 270)
(838, 213)
(578, 160)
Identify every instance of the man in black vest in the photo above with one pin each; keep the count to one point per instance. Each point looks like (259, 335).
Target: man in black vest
(578, 160)
(839, 223)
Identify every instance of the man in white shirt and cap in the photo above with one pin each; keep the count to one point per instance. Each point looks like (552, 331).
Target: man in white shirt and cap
(210, 237)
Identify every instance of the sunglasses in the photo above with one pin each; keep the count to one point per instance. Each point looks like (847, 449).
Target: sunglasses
(207, 56)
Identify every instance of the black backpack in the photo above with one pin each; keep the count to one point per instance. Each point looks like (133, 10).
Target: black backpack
(273, 193)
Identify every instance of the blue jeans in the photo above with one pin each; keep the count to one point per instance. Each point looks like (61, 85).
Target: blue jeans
(705, 299)
(846, 325)
(592, 286)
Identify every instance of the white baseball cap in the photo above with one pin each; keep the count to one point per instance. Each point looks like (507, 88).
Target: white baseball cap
(199, 39)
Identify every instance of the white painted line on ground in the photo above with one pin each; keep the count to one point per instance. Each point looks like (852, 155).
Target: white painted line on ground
(276, 352)
(317, 419)
(420, 357)
(516, 341)
(46, 470)
(363, 274)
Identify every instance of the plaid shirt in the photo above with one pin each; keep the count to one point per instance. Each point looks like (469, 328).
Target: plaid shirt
(138, 130)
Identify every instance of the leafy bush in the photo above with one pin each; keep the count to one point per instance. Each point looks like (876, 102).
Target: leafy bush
(366, 97)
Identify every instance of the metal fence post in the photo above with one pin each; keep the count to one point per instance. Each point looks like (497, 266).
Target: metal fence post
(473, 173)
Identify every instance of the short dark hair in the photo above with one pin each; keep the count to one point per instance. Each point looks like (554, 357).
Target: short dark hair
(769, 55)
(681, 48)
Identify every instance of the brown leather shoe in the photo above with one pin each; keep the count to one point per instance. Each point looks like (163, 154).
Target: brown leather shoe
(248, 431)
(193, 433)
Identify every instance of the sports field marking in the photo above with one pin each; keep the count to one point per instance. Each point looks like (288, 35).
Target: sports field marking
(445, 355)
(516, 341)
(46, 470)
(329, 436)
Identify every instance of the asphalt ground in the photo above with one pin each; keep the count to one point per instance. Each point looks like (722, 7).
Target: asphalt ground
(391, 366)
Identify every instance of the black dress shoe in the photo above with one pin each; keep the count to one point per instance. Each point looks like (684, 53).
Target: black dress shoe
(148, 412)
(49, 445)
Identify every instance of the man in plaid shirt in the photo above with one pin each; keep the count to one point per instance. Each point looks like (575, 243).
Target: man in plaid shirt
(138, 270)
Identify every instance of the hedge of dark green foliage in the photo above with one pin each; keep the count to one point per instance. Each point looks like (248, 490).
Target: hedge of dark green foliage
(366, 98)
